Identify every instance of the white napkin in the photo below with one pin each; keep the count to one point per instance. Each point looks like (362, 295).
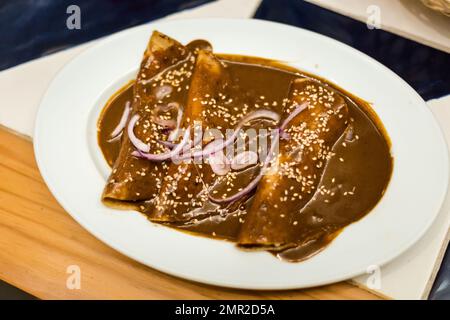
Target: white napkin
(407, 18)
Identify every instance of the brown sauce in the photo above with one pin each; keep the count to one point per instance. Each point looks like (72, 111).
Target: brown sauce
(352, 183)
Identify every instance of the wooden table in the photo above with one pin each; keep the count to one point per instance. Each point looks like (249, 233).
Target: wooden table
(39, 240)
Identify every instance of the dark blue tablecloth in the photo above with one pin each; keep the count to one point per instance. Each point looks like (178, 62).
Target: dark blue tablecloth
(33, 28)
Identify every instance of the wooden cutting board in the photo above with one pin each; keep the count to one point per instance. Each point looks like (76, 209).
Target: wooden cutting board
(39, 241)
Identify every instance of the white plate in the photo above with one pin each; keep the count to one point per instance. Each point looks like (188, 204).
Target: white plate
(75, 171)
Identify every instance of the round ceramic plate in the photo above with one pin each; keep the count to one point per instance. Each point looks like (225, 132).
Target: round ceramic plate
(70, 161)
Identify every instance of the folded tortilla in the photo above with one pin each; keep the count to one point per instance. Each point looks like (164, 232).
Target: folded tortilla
(184, 192)
(274, 220)
(132, 181)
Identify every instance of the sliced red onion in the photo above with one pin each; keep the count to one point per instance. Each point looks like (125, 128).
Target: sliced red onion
(244, 159)
(162, 91)
(254, 183)
(219, 163)
(187, 148)
(168, 144)
(249, 117)
(166, 155)
(173, 135)
(349, 134)
(123, 120)
(213, 145)
(284, 135)
(172, 145)
(140, 145)
(167, 123)
(298, 108)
